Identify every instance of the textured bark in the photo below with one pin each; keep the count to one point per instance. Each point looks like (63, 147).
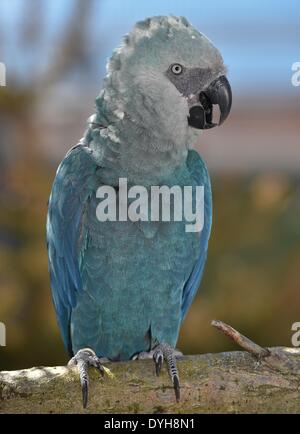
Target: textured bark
(233, 382)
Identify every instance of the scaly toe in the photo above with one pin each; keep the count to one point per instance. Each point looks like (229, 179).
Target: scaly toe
(84, 359)
(166, 352)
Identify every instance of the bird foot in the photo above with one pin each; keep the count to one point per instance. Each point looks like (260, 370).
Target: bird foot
(149, 355)
(84, 359)
(164, 352)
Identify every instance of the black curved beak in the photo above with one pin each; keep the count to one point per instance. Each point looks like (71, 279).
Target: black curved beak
(218, 93)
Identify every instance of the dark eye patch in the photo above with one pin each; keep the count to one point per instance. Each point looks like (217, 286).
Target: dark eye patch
(190, 81)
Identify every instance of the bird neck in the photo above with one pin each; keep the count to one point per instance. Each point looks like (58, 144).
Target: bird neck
(124, 147)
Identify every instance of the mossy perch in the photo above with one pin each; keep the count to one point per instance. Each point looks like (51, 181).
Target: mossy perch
(233, 382)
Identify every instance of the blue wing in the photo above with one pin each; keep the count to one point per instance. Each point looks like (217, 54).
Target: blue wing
(199, 172)
(71, 189)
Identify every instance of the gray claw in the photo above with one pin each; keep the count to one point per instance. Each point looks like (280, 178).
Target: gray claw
(176, 387)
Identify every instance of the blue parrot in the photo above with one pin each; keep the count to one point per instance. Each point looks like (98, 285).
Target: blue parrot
(121, 289)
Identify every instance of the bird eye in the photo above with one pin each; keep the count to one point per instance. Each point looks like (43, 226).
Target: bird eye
(176, 69)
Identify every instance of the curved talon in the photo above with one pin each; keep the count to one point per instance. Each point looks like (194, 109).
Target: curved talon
(176, 387)
(84, 381)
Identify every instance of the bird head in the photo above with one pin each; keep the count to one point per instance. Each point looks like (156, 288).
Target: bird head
(169, 78)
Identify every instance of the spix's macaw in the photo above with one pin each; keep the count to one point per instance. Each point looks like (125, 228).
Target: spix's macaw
(121, 289)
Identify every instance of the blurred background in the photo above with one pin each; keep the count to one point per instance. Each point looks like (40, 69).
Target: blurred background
(55, 53)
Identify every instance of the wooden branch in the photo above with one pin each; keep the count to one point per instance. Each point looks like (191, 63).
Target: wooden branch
(275, 358)
(241, 340)
(258, 381)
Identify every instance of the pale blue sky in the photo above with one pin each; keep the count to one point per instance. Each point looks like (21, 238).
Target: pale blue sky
(259, 39)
